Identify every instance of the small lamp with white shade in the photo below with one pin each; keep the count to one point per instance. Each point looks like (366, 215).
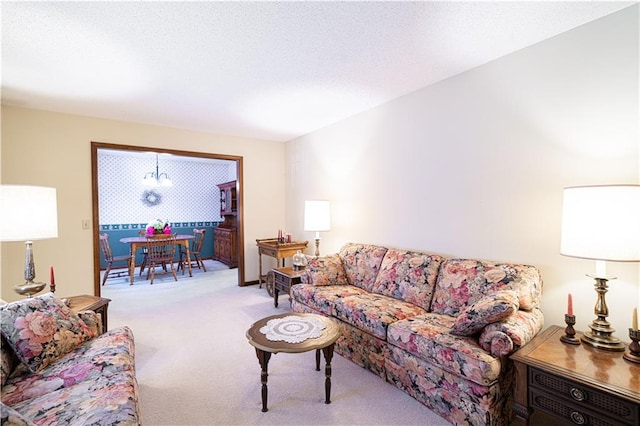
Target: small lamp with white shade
(601, 223)
(317, 217)
(28, 213)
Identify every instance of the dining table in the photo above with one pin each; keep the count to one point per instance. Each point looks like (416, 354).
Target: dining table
(137, 242)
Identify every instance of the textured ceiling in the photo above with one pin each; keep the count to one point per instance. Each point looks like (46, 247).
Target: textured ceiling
(268, 70)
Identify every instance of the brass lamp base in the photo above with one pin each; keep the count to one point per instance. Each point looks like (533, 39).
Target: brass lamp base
(29, 288)
(602, 340)
(601, 334)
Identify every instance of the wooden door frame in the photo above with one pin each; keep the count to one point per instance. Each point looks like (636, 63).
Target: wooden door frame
(95, 146)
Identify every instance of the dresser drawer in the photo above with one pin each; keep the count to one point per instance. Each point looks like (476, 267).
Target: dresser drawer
(283, 280)
(579, 404)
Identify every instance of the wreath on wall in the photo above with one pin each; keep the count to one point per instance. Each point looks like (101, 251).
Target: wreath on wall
(151, 198)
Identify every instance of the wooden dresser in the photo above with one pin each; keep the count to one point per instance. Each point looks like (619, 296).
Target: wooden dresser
(225, 245)
(563, 384)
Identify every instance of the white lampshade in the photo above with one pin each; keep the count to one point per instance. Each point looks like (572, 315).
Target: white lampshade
(601, 222)
(317, 215)
(28, 213)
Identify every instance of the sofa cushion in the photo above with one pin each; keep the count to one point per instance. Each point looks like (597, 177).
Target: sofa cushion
(492, 308)
(462, 282)
(427, 336)
(408, 276)
(374, 312)
(108, 354)
(42, 329)
(325, 270)
(361, 263)
(105, 400)
(323, 298)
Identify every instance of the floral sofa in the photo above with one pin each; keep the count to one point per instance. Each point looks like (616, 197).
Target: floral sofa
(58, 369)
(439, 329)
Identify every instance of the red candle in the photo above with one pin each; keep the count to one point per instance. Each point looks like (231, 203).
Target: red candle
(52, 278)
(569, 305)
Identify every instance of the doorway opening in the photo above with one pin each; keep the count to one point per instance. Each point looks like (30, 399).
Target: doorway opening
(235, 161)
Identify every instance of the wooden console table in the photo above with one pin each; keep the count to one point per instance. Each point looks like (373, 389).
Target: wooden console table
(271, 247)
(560, 384)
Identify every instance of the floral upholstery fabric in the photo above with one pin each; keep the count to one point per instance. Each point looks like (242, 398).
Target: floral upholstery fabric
(495, 307)
(459, 401)
(408, 276)
(461, 282)
(8, 360)
(373, 312)
(362, 349)
(10, 417)
(504, 337)
(94, 384)
(109, 354)
(427, 337)
(396, 322)
(361, 263)
(325, 270)
(93, 320)
(42, 329)
(322, 299)
(107, 400)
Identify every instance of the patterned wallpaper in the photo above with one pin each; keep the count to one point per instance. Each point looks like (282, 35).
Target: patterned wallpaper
(194, 196)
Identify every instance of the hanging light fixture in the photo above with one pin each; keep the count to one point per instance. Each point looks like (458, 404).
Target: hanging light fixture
(156, 178)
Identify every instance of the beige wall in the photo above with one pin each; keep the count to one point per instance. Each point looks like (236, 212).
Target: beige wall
(475, 166)
(50, 149)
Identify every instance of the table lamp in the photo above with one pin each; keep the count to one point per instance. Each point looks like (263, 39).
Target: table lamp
(28, 213)
(317, 217)
(601, 223)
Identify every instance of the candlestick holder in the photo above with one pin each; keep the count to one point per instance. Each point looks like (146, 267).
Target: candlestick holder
(569, 332)
(634, 347)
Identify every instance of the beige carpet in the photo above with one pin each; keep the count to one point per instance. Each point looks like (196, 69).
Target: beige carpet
(195, 366)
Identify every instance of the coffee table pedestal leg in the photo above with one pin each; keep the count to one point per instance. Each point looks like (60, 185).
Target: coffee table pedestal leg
(328, 355)
(263, 359)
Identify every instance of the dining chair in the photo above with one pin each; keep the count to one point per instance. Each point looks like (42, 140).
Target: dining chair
(161, 250)
(110, 259)
(195, 250)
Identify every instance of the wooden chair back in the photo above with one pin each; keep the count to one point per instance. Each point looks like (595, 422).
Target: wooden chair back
(105, 247)
(161, 248)
(198, 240)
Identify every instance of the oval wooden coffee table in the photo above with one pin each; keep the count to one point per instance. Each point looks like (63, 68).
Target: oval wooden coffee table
(294, 333)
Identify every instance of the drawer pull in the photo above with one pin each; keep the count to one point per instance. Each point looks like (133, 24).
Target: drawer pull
(578, 418)
(577, 394)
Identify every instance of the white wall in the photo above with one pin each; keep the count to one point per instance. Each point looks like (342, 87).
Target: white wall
(51, 149)
(475, 166)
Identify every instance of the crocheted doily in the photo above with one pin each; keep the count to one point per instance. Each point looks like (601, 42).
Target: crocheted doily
(293, 329)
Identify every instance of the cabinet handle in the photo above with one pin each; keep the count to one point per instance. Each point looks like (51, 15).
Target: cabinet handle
(578, 418)
(577, 394)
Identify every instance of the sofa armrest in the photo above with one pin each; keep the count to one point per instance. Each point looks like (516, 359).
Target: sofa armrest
(93, 320)
(504, 337)
(11, 417)
(325, 270)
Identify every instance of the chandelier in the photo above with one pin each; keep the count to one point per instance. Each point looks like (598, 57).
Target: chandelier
(156, 178)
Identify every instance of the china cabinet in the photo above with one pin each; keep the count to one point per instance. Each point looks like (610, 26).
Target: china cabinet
(225, 246)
